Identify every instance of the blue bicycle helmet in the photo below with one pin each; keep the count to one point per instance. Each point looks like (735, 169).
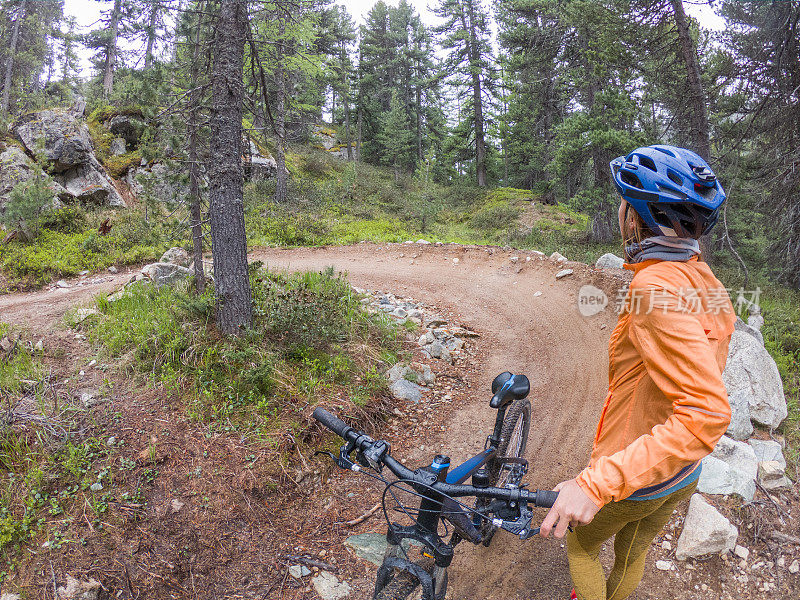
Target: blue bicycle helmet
(674, 190)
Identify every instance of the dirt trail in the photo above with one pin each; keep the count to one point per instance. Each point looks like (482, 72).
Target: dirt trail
(563, 353)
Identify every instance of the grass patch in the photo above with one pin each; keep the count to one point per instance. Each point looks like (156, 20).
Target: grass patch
(311, 342)
(69, 243)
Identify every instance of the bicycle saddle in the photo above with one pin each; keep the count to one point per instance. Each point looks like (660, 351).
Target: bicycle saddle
(508, 387)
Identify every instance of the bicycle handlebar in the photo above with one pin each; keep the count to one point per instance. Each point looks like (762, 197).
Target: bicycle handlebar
(541, 498)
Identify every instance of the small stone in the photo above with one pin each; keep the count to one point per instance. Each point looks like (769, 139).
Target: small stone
(175, 505)
(558, 257)
(564, 273)
(9, 596)
(402, 389)
(111, 441)
(113, 269)
(741, 552)
(665, 545)
(91, 364)
(514, 259)
(329, 587)
(96, 487)
(781, 562)
(400, 313)
(794, 567)
(421, 241)
(39, 347)
(63, 284)
(84, 313)
(456, 261)
(705, 531)
(664, 565)
(79, 590)
(609, 261)
(299, 571)
(537, 294)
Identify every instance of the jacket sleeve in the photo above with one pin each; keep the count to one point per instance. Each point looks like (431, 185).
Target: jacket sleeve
(681, 361)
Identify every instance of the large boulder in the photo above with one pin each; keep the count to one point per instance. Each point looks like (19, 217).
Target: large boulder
(705, 531)
(17, 167)
(752, 380)
(259, 164)
(90, 184)
(160, 182)
(64, 141)
(165, 273)
(730, 469)
(748, 328)
(176, 256)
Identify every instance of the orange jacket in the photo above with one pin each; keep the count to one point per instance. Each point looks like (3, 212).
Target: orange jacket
(666, 406)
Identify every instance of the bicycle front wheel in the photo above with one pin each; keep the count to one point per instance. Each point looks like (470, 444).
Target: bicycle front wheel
(513, 440)
(404, 585)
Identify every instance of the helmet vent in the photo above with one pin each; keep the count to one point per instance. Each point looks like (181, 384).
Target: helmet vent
(665, 151)
(630, 179)
(646, 161)
(674, 177)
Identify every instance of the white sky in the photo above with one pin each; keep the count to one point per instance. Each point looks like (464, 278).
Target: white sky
(87, 12)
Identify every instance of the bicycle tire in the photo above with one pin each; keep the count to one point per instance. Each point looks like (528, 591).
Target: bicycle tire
(404, 583)
(519, 410)
(519, 413)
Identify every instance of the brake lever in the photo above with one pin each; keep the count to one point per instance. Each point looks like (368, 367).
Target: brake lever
(522, 526)
(342, 461)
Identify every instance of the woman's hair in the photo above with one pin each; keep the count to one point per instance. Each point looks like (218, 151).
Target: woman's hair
(639, 232)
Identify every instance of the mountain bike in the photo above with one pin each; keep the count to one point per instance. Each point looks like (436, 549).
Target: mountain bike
(434, 512)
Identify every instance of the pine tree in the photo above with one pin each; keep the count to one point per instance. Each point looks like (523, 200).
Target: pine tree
(466, 34)
(229, 243)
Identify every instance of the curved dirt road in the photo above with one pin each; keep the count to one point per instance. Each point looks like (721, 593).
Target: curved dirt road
(563, 353)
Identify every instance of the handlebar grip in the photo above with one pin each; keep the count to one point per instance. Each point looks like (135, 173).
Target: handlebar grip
(546, 498)
(331, 421)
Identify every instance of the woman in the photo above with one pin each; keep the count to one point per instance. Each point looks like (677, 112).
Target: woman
(666, 406)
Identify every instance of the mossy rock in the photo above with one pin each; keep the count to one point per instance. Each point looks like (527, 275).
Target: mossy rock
(117, 166)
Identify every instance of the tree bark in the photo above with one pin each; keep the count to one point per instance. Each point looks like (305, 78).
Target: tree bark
(229, 243)
(697, 99)
(10, 60)
(111, 50)
(281, 176)
(346, 102)
(194, 167)
(698, 115)
(477, 98)
(151, 35)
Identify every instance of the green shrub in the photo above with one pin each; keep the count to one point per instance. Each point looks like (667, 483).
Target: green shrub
(26, 203)
(497, 216)
(309, 334)
(70, 219)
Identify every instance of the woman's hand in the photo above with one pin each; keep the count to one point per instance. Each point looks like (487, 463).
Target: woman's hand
(572, 507)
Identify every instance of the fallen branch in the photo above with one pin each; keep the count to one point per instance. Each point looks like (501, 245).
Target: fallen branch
(310, 562)
(781, 512)
(363, 517)
(784, 537)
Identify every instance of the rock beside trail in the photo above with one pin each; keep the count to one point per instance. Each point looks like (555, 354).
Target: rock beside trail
(9, 596)
(17, 167)
(558, 257)
(79, 590)
(372, 546)
(564, 273)
(768, 450)
(176, 256)
(127, 127)
(753, 381)
(402, 389)
(730, 469)
(747, 328)
(165, 273)
(705, 531)
(609, 261)
(329, 587)
(772, 476)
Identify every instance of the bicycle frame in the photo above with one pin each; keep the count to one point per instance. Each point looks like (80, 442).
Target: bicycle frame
(425, 527)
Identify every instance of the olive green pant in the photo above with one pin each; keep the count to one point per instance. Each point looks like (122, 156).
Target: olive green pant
(635, 523)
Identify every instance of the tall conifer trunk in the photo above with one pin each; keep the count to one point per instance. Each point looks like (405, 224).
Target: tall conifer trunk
(10, 59)
(229, 243)
(111, 50)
